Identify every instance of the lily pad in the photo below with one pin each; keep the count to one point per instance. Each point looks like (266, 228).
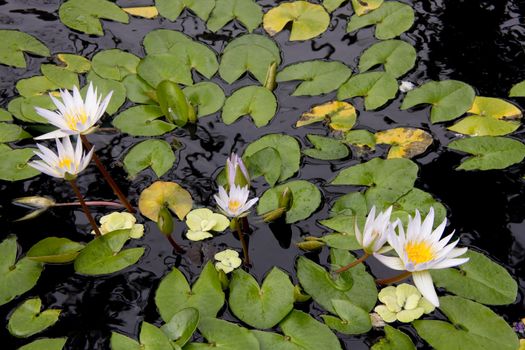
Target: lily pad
(394, 340)
(449, 99)
(142, 121)
(148, 12)
(364, 7)
(104, 87)
(489, 152)
(331, 5)
(308, 20)
(12, 132)
(361, 139)
(224, 335)
(55, 250)
(16, 278)
(518, 90)
(138, 90)
(206, 97)
(156, 154)
(74, 63)
(352, 319)
(171, 9)
(255, 101)
(45, 344)
(376, 87)
(36, 85)
(159, 67)
(85, 16)
(319, 77)
(151, 338)
(60, 76)
(5, 116)
(164, 194)
(480, 279)
(396, 56)
(288, 148)
(340, 116)
(174, 293)
(326, 148)
(465, 331)
(13, 165)
(104, 254)
(182, 325)
(266, 162)
(247, 12)
(406, 142)
(265, 306)
(15, 43)
(391, 19)
(115, 64)
(28, 319)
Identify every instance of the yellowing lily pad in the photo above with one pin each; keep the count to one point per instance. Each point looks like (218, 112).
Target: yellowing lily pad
(339, 115)
(309, 20)
(74, 63)
(144, 11)
(363, 7)
(406, 142)
(164, 194)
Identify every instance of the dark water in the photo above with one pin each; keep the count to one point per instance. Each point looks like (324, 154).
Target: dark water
(479, 42)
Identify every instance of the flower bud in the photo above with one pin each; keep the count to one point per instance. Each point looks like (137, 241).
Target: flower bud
(236, 171)
(310, 245)
(165, 221)
(41, 204)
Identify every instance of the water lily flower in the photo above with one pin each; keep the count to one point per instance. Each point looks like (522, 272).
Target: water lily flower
(236, 171)
(201, 221)
(406, 86)
(227, 260)
(235, 204)
(121, 221)
(422, 249)
(65, 164)
(375, 233)
(403, 303)
(74, 116)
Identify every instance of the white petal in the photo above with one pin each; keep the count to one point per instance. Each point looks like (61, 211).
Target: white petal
(424, 283)
(53, 135)
(426, 226)
(449, 263)
(392, 262)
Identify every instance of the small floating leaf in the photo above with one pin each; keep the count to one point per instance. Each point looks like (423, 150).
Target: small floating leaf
(326, 148)
(480, 279)
(473, 327)
(171, 9)
(85, 16)
(266, 162)
(406, 142)
(206, 97)
(13, 165)
(174, 104)
(156, 154)
(518, 90)
(74, 63)
(352, 319)
(55, 250)
(142, 121)
(36, 85)
(255, 101)
(46, 344)
(12, 132)
(5, 116)
(376, 87)
(163, 194)
(60, 76)
(174, 293)
(28, 319)
(340, 116)
(224, 335)
(449, 99)
(361, 138)
(182, 325)
(394, 340)
(261, 307)
(391, 19)
(143, 11)
(489, 152)
(114, 64)
(13, 45)
(159, 67)
(247, 12)
(363, 7)
(396, 56)
(331, 5)
(138, 90)
(319, 77)
(151, 338)
(308, 20)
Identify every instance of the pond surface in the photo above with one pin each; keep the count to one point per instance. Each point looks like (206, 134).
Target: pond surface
(479, 42)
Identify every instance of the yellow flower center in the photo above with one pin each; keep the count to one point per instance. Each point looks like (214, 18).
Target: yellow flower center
(72, 119)
(65, 163)
(419, 252)
(234, 205)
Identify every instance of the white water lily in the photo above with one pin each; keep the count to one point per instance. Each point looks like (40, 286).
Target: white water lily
(375, 233)
(74, 116)
(121, 221)
(235, 203)
(201, 221)
(227, 260)
(422, 249)
(67, 163)
(236, 171)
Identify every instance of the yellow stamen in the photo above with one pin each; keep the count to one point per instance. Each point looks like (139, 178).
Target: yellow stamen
(419, 252)
(65, 163)
(233, 205)
(72, 119)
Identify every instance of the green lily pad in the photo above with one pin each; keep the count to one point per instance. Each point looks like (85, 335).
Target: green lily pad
(392, 19)
(5, 116)
(28, 319)
(449, 99)
(182, 325)
(151, 338)
(142, 121)
(331, 5)
(46, 344)
(352, 319)
(171, 9)
(174, 293)
(156, 154)
(104, 254)
(27, 108)
(394, 340)
(288, 148)
(247, 12)
(518, 90)
(489, 152)
(364, 7)
(85, 16)
(138, 90)
(162, 194)
(206, 97)
(12, 132)
(340, 240)
(55, 250)
(376, 87)
(396, 56)
(224, 335)
(265, 306)
(60, 76)
(326, 148)
(104, 87)
(319, 77)
(121, 342)
(15, 43)
(13, 165)
(308, 20)
(115, 64)
(255, 101)
(266, 162)
(480, 279)
(36, 85)
(74, 63)
(361, 139)
(16, 278)
(159, 67)
(473, 326)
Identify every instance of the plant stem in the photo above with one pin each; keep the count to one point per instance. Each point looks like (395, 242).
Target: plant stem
(85, 208)
(90, 203)
(107, 176)
(175, 246)
(240, 225)
(353, 263)
(400, 277)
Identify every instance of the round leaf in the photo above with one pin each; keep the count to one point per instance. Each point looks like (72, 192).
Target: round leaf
(352, 319)
(182, 325)
(171, 9)
(248, 12)
(164, 194)
(156, 68)
(406, 142)
(104, 87)
(397, 57)
(55, 250)
(12, 132)
(156, 154)
(376, 87)
(224, 335)
(518, 90)
(340, 116)
(142, 121)
(13, 45)
(85, 16)
(46, 344)
(115, 64)
(206, 97)
(59, 76)
(326, 148)
(27, 319)
(394, 340)
(362, 7)
(13, 164)
(255, 101)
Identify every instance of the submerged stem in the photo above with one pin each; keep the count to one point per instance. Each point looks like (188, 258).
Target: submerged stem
(85, 208)
(394, 279)
(107, 176)
(353, 263)
(239, 226)
(175, 246)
